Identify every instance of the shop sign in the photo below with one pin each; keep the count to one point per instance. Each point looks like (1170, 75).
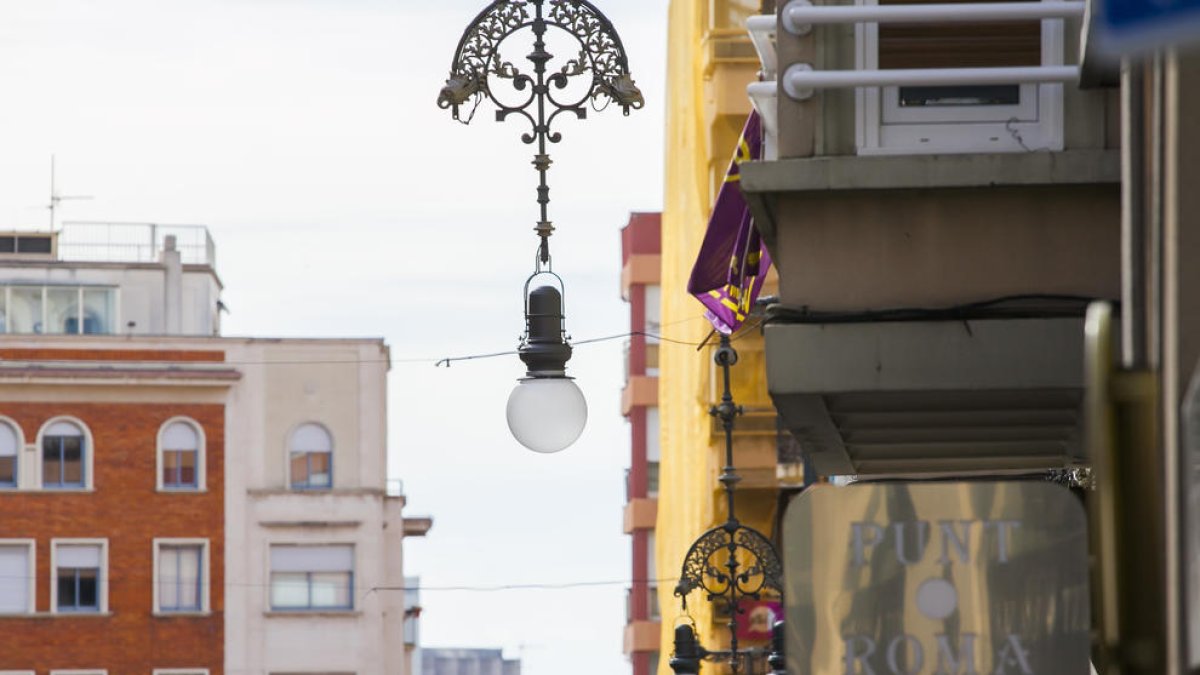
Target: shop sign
(937, 578)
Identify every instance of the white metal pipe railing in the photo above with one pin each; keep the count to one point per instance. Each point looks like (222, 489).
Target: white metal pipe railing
(762, 34)
(798, 16)
(801, 80)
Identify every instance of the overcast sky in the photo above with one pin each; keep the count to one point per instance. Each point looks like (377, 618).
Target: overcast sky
(343, 202)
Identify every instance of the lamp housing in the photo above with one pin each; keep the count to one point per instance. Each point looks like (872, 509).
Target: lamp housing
(546, 411)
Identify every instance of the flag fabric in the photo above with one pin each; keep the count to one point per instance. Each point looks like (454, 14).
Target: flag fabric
(733, 262)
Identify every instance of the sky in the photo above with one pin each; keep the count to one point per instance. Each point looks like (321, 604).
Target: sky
(343, 202)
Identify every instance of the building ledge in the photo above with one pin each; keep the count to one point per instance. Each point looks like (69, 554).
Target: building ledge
(640, 514)
(642, 636)
(417, 527)
(930, 397)
(762, 182)
(640, 390)
(301, 614)
(903, 172)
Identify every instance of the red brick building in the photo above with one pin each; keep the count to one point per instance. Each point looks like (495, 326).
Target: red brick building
(112, 467)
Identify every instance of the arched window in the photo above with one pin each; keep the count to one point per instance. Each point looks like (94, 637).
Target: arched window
(10, 451)
(180, 456)
(64, 456)
(310, 458)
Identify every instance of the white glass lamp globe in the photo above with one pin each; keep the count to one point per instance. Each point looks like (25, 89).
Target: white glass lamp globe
(546, 414)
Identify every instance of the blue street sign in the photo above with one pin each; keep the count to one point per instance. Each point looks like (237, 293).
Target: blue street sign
(1145, 25)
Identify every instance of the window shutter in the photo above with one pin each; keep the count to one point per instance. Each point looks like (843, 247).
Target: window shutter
(14, 579)
(180, 436)
(81, 556)
(958, 45)
(312, 558)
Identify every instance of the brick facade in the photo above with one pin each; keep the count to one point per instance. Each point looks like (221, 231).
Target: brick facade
(126, 508)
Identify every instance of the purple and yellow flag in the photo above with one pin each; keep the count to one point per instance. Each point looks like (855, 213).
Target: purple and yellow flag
(732, 263)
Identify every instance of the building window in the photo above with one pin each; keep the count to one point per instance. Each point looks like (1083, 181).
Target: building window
(71, 310)
(64, 456)
(17, 587)
(181, 568)
(180, 671)
(181, 456)
(79, 672)
(972, 118)
(312, 578)
(10, 451)
(80, 571)
(310, 458)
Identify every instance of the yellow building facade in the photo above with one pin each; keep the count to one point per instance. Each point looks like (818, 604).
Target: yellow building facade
(710, 61)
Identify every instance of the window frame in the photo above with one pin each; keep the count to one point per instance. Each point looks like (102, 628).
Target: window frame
(288, 452)
(17, 463)
(84, 671)
(310, 609)
(43, 320)
(205, 580)
(87, 461)
(201, 457)
(31, 558)
(957, 129)
(101, 578)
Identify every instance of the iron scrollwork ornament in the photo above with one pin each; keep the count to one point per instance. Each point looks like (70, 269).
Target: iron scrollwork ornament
(707, 565)
(548, 88)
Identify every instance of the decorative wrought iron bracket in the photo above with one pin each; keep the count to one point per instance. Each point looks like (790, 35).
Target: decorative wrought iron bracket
(479, 67)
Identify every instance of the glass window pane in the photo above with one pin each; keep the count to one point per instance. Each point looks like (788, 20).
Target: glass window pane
(299, 469)
(168, 578)
(66, 589)
(187, 469)
(289, 590)
(52, 460)
(72, 459)
(189, 577)
(25, 315)
(8, 471)
(89, 588)
(3, 310)
(99, 311)
(320, 472)
(170, 469)
(331, 589)
(62, 310)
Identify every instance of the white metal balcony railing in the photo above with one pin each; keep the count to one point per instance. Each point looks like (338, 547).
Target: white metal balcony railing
(800, 80)
(80, 241)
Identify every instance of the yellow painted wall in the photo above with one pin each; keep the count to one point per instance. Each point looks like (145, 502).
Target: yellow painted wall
(706, 106)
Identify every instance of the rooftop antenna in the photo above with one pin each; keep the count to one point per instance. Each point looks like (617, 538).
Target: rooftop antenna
(55, 198)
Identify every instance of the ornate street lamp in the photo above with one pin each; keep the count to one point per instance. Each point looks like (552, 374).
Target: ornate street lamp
(546, 411)
(731, 562)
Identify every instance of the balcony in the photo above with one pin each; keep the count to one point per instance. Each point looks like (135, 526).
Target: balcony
(923, 78)
(940, 209)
